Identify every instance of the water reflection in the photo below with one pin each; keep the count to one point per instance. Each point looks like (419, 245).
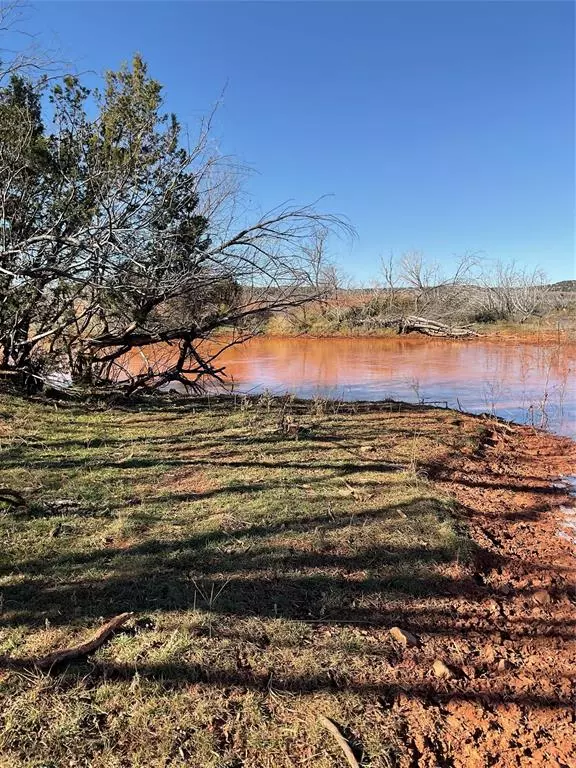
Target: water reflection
(528, 383)
(525, 382)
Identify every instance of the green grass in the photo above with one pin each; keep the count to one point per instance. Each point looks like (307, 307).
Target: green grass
(263, 570)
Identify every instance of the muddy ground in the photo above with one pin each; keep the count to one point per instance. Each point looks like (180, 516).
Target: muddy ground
(511, 699)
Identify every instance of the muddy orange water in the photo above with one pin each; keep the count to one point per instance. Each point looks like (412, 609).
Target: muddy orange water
(522, 381)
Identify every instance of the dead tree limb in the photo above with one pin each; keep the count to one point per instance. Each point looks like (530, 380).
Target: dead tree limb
(414, 324)
(56, 658)
(342, 743)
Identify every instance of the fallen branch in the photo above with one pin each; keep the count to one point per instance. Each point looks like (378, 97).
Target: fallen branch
(413, 324)
(79, 651)
(344, 746)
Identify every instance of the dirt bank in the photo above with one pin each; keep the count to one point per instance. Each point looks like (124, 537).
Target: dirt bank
(513, 634)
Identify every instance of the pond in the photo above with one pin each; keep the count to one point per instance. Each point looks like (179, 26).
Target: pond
(527, 382)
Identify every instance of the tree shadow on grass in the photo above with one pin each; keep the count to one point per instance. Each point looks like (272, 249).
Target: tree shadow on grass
(175, 676)
(317, 569)
(272, 571)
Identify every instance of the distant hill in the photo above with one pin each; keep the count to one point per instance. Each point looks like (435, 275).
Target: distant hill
(564, 285)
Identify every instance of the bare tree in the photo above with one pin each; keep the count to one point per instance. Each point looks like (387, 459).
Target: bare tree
(436, 294)
(510, 291)
(30, 59)
(117, 236)
(389, 272)
(322, 272)
(473, 289)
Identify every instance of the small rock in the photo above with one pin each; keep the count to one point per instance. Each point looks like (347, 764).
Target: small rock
(490, 654)
(493, 606)
(406, 639)
(366, 448)
(542, 597)
(63, 503)
(441, 670)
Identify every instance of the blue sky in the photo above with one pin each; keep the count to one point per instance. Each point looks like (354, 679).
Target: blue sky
(443, 127)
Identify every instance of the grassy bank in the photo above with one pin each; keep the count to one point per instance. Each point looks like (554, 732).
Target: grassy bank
(232, 542)
(265, 549)
(541, 329)
(365, 318)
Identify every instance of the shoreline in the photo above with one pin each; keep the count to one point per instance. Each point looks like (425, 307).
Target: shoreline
(526, 571)
(514, 335)
(336, 321)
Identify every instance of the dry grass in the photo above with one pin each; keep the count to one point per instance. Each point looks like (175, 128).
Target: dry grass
(265, 548)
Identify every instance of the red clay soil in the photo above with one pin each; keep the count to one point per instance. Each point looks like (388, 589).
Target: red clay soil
(508, 695)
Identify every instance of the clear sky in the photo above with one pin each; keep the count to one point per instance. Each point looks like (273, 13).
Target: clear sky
(437, 126)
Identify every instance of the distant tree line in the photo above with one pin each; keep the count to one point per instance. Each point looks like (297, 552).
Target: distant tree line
(413, 293)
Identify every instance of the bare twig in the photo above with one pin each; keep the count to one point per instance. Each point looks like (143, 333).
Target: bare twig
(343, 744)
(83, 649)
